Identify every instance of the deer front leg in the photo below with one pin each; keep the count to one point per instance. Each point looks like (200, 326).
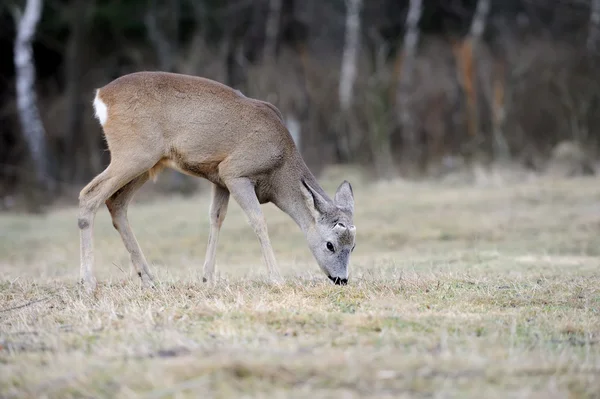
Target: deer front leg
(242, 191)
(218, 210)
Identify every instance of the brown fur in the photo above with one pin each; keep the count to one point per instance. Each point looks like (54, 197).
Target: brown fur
(202, 128)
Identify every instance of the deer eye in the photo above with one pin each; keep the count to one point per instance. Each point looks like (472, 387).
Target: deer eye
(330, 246)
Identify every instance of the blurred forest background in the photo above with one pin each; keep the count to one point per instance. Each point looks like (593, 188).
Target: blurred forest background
(412, 88)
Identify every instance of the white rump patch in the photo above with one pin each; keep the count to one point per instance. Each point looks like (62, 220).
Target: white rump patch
(101, 109)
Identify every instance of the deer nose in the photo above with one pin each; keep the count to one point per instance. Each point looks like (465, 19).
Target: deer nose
(338, 281)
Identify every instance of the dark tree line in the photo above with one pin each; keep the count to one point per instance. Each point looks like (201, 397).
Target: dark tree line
(399, 86)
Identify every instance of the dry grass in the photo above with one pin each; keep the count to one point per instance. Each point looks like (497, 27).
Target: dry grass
(455, 292)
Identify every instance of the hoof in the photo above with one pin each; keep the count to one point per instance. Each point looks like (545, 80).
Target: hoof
(90, 286)
(147, 280)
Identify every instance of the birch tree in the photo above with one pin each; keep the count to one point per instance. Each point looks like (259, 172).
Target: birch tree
(409, 50)
(29, 115)
(348, 68)
(479, 19)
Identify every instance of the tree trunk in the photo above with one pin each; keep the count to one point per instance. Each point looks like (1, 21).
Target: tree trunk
(162, 46)
(468, 55)
(477, 28)
(348, 74)
(593, 38)
(294, 127)
(304, 107)
(500, 146)
(272, 30)
(380, 134)
(410, 138)
(348, 70)
(29, 116)
(193, 60)
(380, 112)
(80, 164)
(480, 19)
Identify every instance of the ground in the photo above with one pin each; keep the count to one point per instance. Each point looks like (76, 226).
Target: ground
(454, 292)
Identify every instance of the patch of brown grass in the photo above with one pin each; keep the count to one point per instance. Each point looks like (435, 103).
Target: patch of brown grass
(468, 292)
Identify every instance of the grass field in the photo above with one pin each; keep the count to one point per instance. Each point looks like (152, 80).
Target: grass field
(482, 292)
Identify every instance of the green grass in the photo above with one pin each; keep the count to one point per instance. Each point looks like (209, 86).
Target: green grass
(454, 292)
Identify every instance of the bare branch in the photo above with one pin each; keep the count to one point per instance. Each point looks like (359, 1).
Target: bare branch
(27, 304)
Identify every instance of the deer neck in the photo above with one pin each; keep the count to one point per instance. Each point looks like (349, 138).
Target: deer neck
(289, 197)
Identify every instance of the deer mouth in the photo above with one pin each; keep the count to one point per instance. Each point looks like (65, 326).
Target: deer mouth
(338, 281)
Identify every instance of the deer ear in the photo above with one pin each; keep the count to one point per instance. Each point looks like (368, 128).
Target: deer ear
(315, 201)
(344, 197)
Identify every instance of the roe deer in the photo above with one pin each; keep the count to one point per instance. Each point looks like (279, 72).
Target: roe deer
(203, 128)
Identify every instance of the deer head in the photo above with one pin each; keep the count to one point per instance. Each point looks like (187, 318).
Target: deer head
(331, 238)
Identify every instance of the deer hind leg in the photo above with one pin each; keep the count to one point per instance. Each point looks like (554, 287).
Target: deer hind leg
(117, 205)
(115, 176)
(218, 210)
(242, 190)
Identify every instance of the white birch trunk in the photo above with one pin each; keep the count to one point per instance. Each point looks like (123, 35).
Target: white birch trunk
(347, 77)
(29, 116)
(409, 50)
(594, 28)
(272, 29)
(479, 19)
(348, 69)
